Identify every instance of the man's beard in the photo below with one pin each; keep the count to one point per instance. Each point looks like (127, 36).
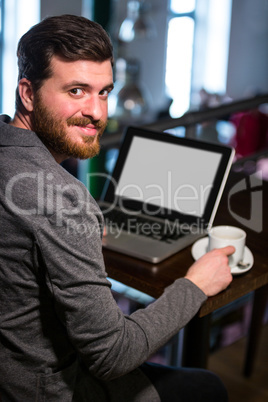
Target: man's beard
(52, 131)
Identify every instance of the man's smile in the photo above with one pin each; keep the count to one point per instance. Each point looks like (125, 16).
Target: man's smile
(85, 125)
(89, 130)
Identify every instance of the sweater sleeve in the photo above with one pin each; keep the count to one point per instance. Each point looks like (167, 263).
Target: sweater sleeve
(110, 343)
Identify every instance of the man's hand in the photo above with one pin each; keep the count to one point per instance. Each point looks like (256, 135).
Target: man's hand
(211, 273)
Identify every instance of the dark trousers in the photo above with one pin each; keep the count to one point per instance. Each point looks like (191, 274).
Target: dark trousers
(185, 384)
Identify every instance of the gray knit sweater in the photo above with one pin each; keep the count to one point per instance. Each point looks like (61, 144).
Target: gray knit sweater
(62, 336)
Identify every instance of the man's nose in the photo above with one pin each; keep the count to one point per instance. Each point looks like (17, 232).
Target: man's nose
(93, 108)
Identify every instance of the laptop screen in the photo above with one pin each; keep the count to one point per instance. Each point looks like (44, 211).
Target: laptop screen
(162, 175)
(171, 176)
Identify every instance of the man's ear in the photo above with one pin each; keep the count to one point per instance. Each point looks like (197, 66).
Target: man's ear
(26, 94)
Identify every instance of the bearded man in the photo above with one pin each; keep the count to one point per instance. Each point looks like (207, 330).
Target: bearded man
(62, 336)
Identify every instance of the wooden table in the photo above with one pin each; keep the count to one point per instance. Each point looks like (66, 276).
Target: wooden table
(244, 197)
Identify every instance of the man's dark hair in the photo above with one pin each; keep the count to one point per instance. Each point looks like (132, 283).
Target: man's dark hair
(68, 36)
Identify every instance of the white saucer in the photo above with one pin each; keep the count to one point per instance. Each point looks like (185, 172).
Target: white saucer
(199, 248)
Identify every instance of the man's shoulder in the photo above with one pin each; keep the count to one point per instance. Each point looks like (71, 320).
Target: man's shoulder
(11, 136)
(4, 118)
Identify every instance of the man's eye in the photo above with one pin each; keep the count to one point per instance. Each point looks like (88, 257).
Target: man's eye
(104, 93)
(76, 91)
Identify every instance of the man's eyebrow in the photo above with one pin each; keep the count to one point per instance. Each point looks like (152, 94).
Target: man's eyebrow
(109, 86)
(85, 85)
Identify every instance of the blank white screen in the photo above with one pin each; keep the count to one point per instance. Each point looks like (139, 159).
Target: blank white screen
(167, 175)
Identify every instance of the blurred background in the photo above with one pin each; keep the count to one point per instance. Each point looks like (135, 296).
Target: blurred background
(174, 51)
(171, 57)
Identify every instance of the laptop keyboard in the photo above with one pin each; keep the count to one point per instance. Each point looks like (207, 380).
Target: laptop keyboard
(141, 225)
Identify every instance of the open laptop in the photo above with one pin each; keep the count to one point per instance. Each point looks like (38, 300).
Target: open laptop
(163, 193)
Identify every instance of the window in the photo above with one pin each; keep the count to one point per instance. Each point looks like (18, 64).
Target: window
(180, 42)
(197, 50)
(17, 17)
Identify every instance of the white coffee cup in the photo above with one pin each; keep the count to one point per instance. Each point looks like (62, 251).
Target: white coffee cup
(221, 236)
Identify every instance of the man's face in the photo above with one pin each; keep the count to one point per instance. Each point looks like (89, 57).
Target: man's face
(70, 109)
